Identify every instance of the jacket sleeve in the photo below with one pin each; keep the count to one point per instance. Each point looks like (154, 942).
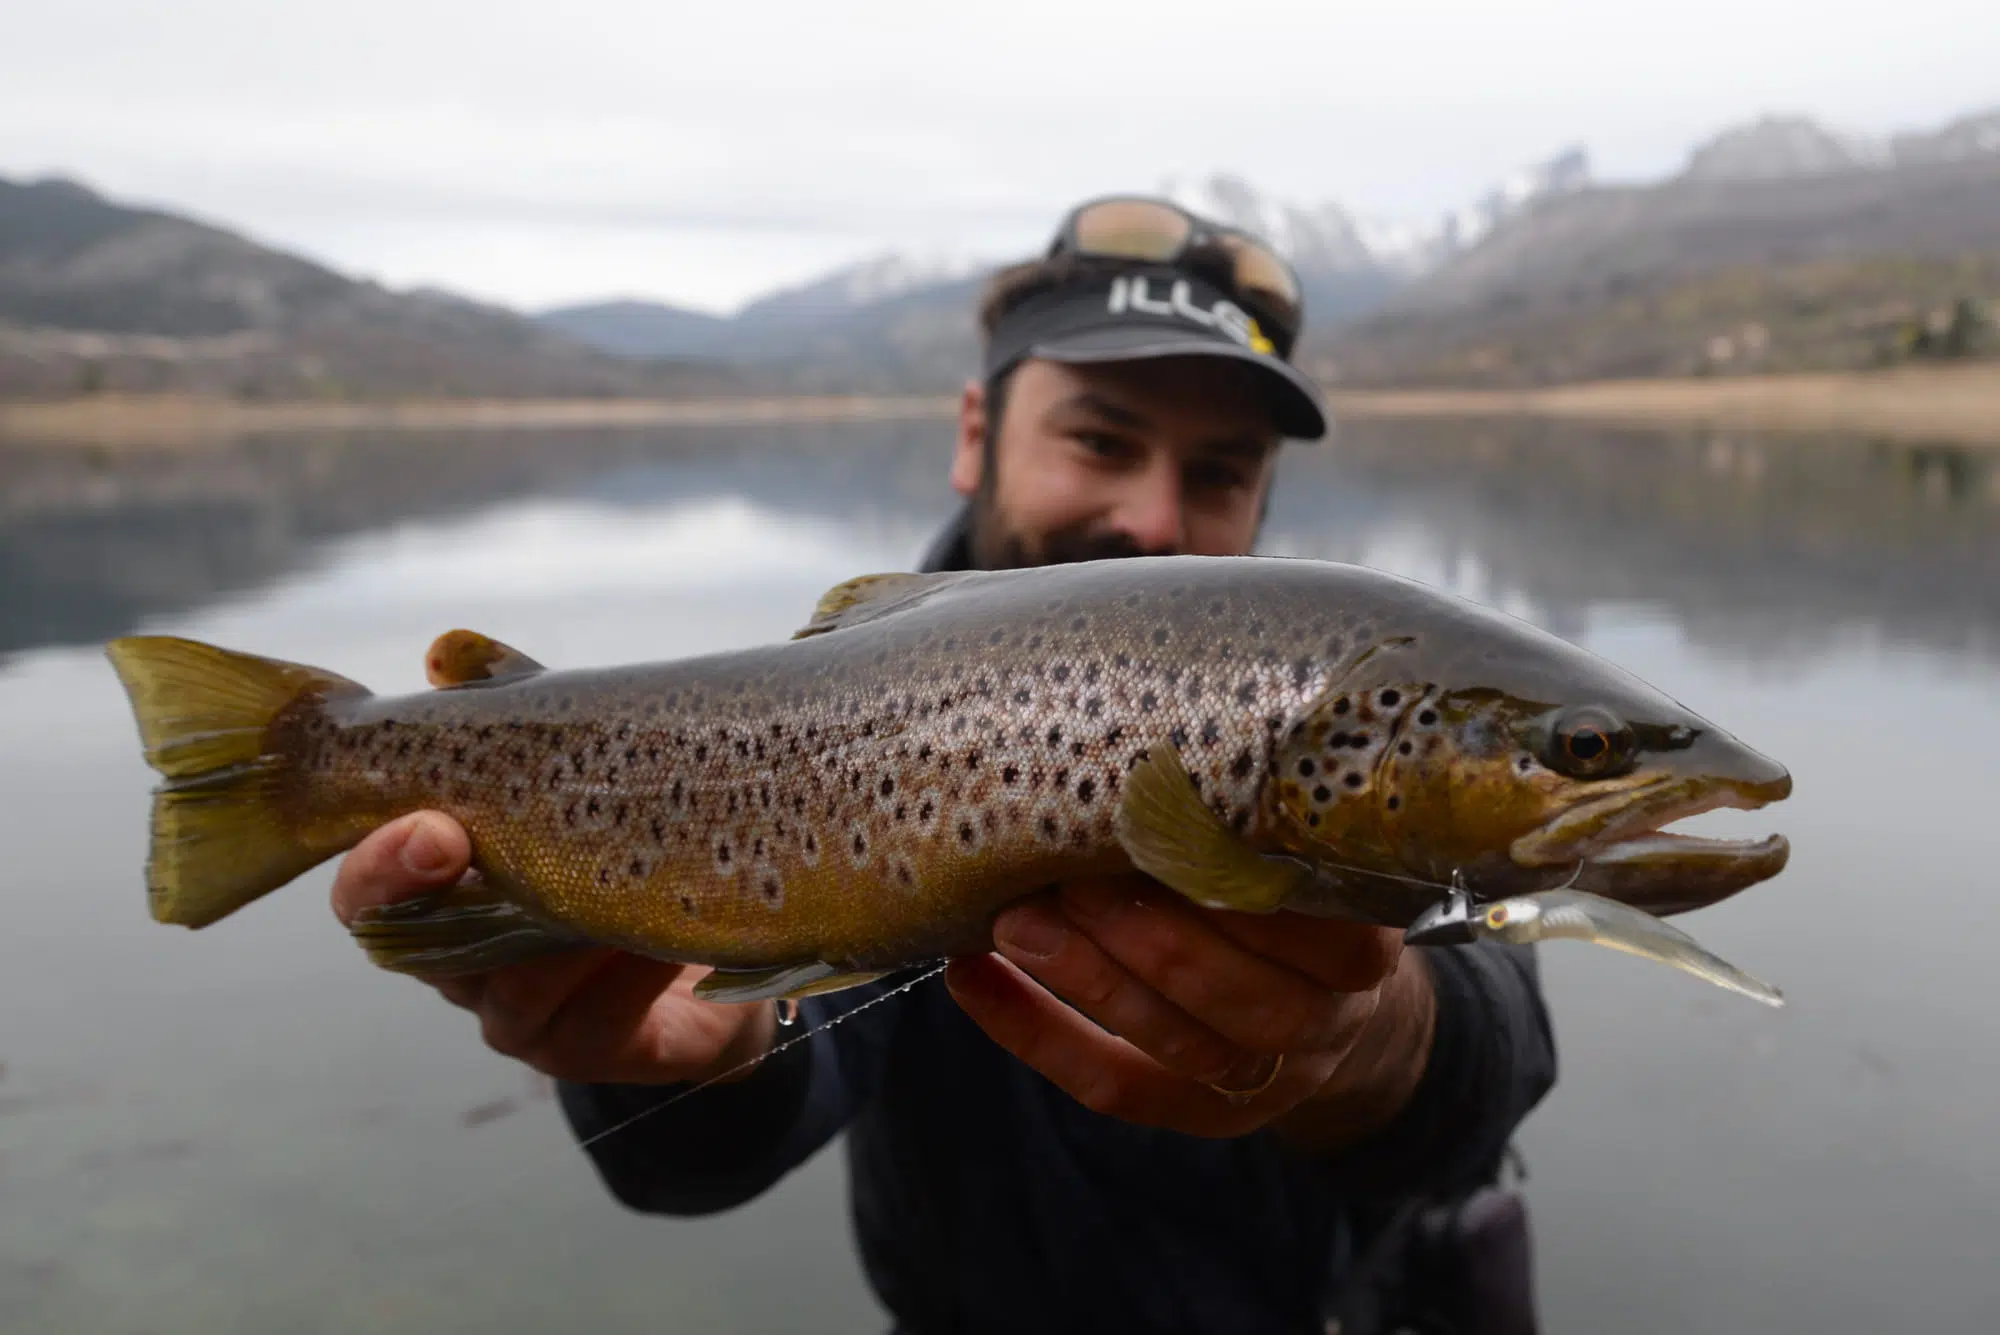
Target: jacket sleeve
(720, 1147)
(1493, 1058)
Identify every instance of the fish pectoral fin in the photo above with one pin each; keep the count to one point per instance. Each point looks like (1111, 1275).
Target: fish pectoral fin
(467, 658)
(1172, 836)
(1580, 916)
(791, 981)
(868, 597)
(465, 928)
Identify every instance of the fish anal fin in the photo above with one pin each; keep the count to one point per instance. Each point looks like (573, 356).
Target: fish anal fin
(467, 658)
(791, 981)
(465, 928)
(1172, 836)
(867, 597)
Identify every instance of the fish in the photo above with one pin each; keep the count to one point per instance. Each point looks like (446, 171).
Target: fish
(1259, 733)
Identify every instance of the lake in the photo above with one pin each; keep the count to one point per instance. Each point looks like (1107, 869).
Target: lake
(250, 1129)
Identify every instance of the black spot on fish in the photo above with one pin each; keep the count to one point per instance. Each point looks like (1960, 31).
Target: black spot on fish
(888, 785)
(1121, 661)
(1160, 635)
(638, 868)
(722, 852)
(1240, 821)
(1353, 779)
(1405, 748)
(1312, 818)
(1306, 767)
(1244, 763)
(1394, 802)
(1148, 701)
(1340, 705)
(1359, 741)
(1322, 793)
(860, 842)
(1085, 790)
(658, 830)
(1055, 735)
(1428, 717)
(1010, 774)
(1049, 829)
(965, 833)
(1211, 732)
(1060, 672)
(1389, 698)
(1178, 736)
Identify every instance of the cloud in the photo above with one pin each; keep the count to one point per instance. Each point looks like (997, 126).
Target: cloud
(374, 133)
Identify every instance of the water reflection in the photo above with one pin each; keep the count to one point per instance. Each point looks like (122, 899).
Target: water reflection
(246, 1129)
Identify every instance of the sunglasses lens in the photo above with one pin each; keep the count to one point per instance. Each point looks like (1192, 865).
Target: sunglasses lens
(1132, 229)
(1262, 275)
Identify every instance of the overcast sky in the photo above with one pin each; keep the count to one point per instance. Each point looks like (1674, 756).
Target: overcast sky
(704, 152)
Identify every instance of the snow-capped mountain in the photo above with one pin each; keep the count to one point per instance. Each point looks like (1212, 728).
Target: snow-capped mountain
(865, 283)
(1775, 147)
(1326, 238)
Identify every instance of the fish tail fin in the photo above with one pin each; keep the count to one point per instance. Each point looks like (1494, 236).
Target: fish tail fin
(205, 715)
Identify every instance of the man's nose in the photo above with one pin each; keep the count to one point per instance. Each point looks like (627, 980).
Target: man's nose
(1150, 512)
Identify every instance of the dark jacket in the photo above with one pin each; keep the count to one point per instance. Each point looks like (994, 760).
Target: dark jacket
(985, 1199)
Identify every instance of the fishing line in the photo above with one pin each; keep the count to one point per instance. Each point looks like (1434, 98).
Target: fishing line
(637, 1117)
(749, 1062)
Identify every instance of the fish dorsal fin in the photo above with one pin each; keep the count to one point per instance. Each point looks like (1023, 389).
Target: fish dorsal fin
(867, 597)
(467, 658)
(1172, 836)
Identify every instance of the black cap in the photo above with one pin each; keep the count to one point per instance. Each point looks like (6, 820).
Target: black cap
(1146, 312)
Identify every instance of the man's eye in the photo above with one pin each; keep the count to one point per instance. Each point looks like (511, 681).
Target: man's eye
(1097, 442)
(1216, 477)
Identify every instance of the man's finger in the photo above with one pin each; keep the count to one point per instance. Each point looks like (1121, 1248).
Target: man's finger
(1104, 1073)
(1339, 954)
(518, 1002)
(1043, 943)
(418, 853)
(1254, 1002)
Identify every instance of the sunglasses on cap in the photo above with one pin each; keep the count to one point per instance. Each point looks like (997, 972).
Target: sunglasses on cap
(1141, 228)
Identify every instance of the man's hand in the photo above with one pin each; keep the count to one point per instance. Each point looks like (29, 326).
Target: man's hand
(590, 1015)
(1175, 999)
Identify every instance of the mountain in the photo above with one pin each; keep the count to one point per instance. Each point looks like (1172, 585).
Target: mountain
(906, 322)
(637, 328)
(99, 296)
(1782, 246)
(1775, 148)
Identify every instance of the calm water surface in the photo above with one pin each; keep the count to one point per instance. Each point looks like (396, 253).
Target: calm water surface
(250, 1129)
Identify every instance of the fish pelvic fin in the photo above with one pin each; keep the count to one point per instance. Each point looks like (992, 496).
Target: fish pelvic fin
(868, 597)
(465, 928)
(1172, 836)
(467, 658)
(206, 716)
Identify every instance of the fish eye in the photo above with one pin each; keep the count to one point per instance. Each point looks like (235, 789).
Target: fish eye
(1588, 743)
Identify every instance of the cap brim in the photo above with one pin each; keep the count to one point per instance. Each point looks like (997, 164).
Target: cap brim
(1299, 412)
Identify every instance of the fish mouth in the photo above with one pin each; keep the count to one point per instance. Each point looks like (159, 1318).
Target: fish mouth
(1626, 855)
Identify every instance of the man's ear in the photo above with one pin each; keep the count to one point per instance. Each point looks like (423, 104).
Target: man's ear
(968, 458)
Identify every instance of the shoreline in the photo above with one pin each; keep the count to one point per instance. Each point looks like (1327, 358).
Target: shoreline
(1958, 404)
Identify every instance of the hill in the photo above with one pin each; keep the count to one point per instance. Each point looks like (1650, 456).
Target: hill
(1782, 248)
(99, 296)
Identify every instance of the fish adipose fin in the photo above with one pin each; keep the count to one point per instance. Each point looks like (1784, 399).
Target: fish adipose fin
(792, 981)
(467, 658)
(465, 928)
(1172, 836)
(868, 597)
(205, 716)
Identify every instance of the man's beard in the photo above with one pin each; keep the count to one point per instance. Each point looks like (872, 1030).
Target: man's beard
(994, 547)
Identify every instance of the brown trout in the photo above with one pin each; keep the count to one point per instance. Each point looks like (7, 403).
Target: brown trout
(1258, 733)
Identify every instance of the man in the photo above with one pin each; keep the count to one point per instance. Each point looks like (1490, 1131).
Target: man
(1135, 1115)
